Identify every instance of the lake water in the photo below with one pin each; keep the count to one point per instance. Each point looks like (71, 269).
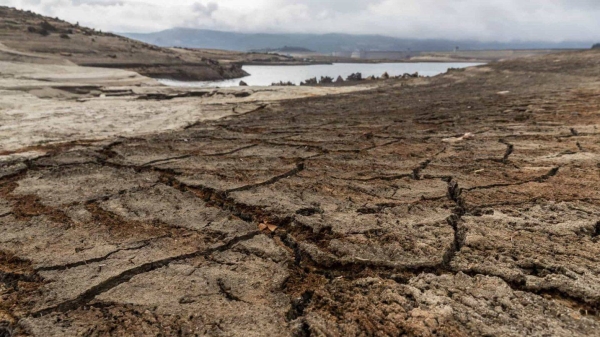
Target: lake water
(265, 75)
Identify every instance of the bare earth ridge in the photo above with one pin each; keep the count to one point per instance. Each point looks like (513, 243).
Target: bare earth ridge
(467, 204)
(33, 38)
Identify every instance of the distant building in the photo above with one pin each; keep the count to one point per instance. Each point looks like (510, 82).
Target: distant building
(389, 55)
(341, 54)
(359, 54)
(377, 55)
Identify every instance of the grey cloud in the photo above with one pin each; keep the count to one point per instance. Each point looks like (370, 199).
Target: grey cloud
(581, 4)
(206, 10)
(338, 6)
(98, 2)
(503, 20)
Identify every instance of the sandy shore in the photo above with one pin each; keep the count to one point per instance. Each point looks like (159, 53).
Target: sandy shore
(44, 104)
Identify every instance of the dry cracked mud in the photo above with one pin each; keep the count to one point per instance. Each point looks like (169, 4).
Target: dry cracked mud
(366, 214)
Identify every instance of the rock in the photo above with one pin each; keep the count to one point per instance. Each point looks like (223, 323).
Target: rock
(406, 75)
(371, 78)
(310, 81)
(340, 79)
(243, 84)
(354, 77)
(47, 26)
(385, 76)
(283, 84)
(466, 136)
(326, 80)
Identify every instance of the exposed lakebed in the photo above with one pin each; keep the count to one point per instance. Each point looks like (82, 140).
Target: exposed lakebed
(266, 75)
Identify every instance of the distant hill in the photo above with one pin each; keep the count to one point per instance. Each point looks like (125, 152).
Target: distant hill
(325, 43)
(285, 49)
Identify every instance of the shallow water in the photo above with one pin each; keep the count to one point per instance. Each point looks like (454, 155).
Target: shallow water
(265, 75)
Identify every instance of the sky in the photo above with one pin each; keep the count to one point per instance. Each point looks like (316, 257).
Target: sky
(484, 20)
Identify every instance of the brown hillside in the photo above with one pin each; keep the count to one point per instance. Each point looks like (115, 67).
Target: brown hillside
(30, 37)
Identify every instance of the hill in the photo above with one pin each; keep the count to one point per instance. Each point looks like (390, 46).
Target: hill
(325, 43)
(26, 36)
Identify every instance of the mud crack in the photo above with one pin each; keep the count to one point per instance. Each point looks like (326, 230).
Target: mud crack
(127, 275)
(226, 290)
(553, 172)
(454, 220)
(139, 245)
(509, 150)
(299, 168)
(416, 172)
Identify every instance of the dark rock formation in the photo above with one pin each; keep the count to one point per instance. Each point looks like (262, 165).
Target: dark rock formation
(310, 81)
(282, 84)
(326, 80)
(354, 77)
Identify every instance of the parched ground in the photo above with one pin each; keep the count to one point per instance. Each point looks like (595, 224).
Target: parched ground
(367, 214)
(44, 104)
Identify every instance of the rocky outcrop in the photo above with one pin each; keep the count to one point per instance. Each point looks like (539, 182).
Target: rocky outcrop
(310, 81)
(354, 77)
(407, 75)
(326, 80)
(282, 84)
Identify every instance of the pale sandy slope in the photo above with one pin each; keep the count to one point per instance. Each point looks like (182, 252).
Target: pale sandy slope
(42, 104)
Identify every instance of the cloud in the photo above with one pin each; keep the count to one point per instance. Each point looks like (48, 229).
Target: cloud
(96, 2)
(205, 10)
(502, 20)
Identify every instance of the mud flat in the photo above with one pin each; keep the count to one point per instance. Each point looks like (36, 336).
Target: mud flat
(49, 104)
(465, 204)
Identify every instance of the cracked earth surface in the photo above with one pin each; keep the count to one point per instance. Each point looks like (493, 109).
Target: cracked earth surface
(354, 215)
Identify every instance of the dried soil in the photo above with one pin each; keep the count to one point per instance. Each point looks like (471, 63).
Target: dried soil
(365, 214)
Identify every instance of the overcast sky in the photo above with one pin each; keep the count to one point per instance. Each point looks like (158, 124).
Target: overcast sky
(502, 20)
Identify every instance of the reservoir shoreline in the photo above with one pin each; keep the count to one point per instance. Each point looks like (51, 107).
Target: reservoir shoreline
(266, 75)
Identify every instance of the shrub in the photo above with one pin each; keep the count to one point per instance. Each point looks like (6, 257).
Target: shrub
(46, 26)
